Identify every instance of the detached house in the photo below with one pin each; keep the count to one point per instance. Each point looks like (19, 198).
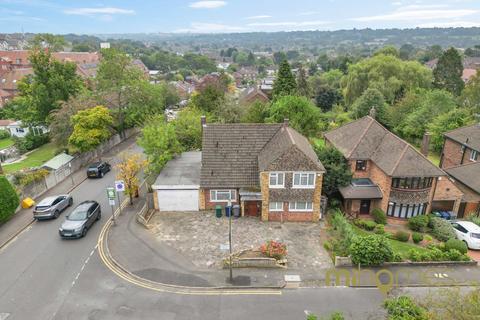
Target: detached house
(388, 173)
(270, 170)
(461, 160)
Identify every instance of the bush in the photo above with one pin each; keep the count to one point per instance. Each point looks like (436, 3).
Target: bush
(31, 142)
(371, 250)
(328, 246)
(456, 244)
(4, 134)
(414, 255)
(344, 234)
(402, 236)
(379, 229)
(403, 308)
(397, 257)
(418, 223)
(453, 255)
(379, 216)
(274, 249)
(417, 237)
(474, 219)
(8, 199)
(365, 224)
(442, 230)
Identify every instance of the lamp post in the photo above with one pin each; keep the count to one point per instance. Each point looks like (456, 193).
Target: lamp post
(229, 204)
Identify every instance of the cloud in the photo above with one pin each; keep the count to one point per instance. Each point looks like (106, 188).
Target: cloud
(264, 16)
(288, 24)
(98, 11)
(207, 4)
(419, 12)
(199, 27)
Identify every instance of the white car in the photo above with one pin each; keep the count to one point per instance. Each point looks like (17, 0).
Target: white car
(468, 232)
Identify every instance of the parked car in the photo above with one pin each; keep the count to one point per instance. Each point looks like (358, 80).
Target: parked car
(468, 232)
(447, 215)
(98, 169)
(78, 222)
(51, 207)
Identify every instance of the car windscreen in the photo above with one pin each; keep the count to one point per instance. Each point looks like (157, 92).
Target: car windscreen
(475, 235)
(92, 169)
(78, 215)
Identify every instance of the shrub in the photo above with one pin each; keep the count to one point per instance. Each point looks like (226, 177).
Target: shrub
(274, 249)
(453, 255)
(474, 219)
(379, 216)
(418, 223)
(328, 246)
(397, 257)
(30, 142)
(414, 255)
(344, 234)
(427, 239)
(442, 230)
(389, 235)
(417, 237)
(8, 199)
(402, 236)
(26, 178)
(4, 134)
(365, 224)
(404, 308)
(457, 245)
(379, 229)
(371, 250)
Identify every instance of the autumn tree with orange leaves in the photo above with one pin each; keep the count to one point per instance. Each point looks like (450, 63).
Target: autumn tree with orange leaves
(128, 170)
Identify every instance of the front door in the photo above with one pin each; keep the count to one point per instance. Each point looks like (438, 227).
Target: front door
(365, 207)
(252, 208)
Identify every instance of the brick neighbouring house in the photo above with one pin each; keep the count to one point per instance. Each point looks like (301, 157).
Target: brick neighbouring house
(460, 155)
(388, 173)
(271, 170)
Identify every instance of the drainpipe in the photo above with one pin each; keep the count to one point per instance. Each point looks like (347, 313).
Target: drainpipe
(434, 190)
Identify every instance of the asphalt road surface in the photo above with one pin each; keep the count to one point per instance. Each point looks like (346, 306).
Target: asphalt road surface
(45, 277)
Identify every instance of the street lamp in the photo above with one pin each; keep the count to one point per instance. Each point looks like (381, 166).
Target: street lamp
(229, 204)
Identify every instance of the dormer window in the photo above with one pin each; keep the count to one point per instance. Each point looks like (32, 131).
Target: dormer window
(473, 155)
(361, 165)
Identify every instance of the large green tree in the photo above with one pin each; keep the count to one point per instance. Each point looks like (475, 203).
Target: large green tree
(91, 127)
(210, 99)
(8, 199)
(48, 40)
(371, 98)
(326, 97)
(337, 173)
(470, 98)
(302, 114)
(188, 128)
(285, 83)
(257, 112)
(451, 120)
(303, 87)
(51, 83)
(448, 72)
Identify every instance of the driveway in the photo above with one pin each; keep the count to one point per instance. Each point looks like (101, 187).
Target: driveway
(200, 235)
(474, 254)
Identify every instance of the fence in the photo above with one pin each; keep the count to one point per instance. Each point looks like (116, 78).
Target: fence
(36, 189)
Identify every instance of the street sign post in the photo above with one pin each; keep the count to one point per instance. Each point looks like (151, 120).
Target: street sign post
(119, 187)
(111, 200)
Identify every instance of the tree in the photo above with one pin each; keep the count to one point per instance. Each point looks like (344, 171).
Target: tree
(406, 51)
(160, 143)
(448, 72)
(470, 98)
(388, 51)
(337, 173)
(284, 84)
(8, 198)
(302, 114)
(51, 83)
(49, 41)
(91, 127)
(279, 57)
(210, 99)
(188, 128)
(302, 83)
(256, 113)
(451, 120)
(326, 97)
(388, 74)
(371, 98)
(128, 170)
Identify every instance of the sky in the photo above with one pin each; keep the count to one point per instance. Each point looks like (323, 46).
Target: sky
(180, 16)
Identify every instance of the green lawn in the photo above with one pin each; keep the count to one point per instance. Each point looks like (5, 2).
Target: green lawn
(401, 248)
(34, 159)
(318, 142)
(5, 143)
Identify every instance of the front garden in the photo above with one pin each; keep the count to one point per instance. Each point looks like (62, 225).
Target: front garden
(36, 158)
(372, 242)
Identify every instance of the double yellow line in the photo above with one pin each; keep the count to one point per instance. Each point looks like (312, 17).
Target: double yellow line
(121, 272)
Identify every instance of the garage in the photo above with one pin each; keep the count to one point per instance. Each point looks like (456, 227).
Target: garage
(177, 186)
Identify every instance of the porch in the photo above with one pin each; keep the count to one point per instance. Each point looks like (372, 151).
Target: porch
(250, 203)
(360, 197)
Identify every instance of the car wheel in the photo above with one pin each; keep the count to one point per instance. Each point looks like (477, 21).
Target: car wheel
(99, 216)
(101, 174)
(56, 214)
(466, 243)
(70, 202)
(84, 232)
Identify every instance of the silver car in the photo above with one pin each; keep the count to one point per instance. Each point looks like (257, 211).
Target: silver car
(80, 220)
(51, 207)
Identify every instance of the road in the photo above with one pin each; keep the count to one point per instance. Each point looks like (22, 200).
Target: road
(45, 277)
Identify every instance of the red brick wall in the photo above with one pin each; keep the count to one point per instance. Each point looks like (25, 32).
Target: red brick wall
(286, 215)
(452, 154)
(471, 208)
(209, 205)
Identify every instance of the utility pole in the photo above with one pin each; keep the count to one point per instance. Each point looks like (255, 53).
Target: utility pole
(230, 239)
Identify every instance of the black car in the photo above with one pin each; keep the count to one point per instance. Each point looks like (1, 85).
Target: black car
(98, 169)
(78, 222)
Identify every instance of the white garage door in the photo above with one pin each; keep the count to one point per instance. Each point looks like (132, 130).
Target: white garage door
(178, 200)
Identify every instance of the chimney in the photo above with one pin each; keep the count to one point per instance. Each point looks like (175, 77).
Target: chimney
(285, 122)
(425, 144)
(203, 121)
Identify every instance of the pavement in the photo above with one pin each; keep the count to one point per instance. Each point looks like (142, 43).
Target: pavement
(474, 254)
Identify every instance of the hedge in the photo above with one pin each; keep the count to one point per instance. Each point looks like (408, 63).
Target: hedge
(418, 223)
(457, 245)
(370, 250)
(379, 216)
(442, 230)
(8, 198)
(402, 236)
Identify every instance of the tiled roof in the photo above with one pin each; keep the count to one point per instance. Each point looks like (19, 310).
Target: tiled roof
(366, 139)
(367, 192)
(469, 136)
(76, 57)
(9, 80)
(230, 154)
(468, 174)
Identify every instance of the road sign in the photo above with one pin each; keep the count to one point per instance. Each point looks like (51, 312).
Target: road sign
(120, 186)
(111, 193)
(111, 202)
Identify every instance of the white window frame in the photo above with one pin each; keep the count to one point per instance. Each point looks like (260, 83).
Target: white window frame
(275, 175)
(276, 209)
(233, 195)
(301, 186)
(292, 206)
(473, 155)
